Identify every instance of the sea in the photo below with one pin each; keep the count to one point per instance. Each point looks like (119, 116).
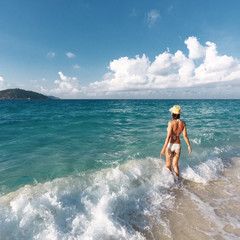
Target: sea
(91, 170)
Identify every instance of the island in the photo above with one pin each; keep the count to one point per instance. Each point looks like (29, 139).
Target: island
(20, 94)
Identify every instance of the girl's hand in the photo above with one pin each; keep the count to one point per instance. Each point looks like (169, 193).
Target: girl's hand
(162, 153)
(189, 149)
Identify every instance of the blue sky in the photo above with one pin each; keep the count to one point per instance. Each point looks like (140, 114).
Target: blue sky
(121, 48)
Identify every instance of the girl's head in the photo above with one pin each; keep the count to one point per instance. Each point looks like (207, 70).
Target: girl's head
(175, 109)
(175, 116)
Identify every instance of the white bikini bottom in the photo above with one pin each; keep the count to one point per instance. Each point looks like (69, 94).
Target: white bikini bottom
(174, 147)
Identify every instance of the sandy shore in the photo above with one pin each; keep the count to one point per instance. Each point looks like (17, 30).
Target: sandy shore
(204, 212)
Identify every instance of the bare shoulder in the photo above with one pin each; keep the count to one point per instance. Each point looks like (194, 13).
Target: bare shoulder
(170, 125)
(183, 123)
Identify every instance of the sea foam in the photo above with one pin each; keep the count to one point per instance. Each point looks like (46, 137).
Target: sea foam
(114, 203)
(204, 172)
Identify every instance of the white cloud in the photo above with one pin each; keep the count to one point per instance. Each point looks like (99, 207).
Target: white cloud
(43, 90)
(200, 72)
(152, 17)
(70, 55)
(2, 83)
(66, 86)
(51, 54)
(196, 50)
(203, 65)
(125, 74)
(217, 68)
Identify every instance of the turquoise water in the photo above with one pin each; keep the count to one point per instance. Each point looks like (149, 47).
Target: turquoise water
(88, 150)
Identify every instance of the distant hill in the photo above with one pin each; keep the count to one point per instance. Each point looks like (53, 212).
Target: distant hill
(20, 94)
(54, 98)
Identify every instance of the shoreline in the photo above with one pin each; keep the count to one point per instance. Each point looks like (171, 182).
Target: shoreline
(204, 211)
(171, 210)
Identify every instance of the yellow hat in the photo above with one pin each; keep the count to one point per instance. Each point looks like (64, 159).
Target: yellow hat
(175, 109)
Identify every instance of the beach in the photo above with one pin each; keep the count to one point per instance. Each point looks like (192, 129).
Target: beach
(206, 211)
(95, 171)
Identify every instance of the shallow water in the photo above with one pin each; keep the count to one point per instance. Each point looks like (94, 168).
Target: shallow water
(91, 170)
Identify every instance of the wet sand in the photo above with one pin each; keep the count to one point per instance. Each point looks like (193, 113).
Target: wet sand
(203, 211)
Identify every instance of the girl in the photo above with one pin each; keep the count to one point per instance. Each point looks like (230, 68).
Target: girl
(172, 146)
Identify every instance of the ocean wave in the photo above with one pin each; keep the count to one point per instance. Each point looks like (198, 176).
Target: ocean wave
(115, 203)
(204, 172)
(196, 141)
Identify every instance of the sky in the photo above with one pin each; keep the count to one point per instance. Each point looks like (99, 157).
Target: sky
(121, 49)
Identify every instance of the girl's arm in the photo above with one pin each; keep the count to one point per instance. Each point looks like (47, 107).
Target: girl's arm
(169, 133)
(185, 136)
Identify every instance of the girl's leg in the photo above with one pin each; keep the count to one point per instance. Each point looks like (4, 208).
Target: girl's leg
(168, 154)
(176, 157)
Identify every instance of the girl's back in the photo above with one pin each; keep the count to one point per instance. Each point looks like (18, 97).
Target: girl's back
(177, 127)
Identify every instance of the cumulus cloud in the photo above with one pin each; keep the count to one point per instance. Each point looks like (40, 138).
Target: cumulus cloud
(196, 50)
(126, 74)
(203, 65)
(65, 86)
(201, 72)
(152, 17)
(70, 55)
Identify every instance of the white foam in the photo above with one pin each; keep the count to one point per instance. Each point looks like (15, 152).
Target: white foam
(196, 141)
(112, 203)
(205, 172)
